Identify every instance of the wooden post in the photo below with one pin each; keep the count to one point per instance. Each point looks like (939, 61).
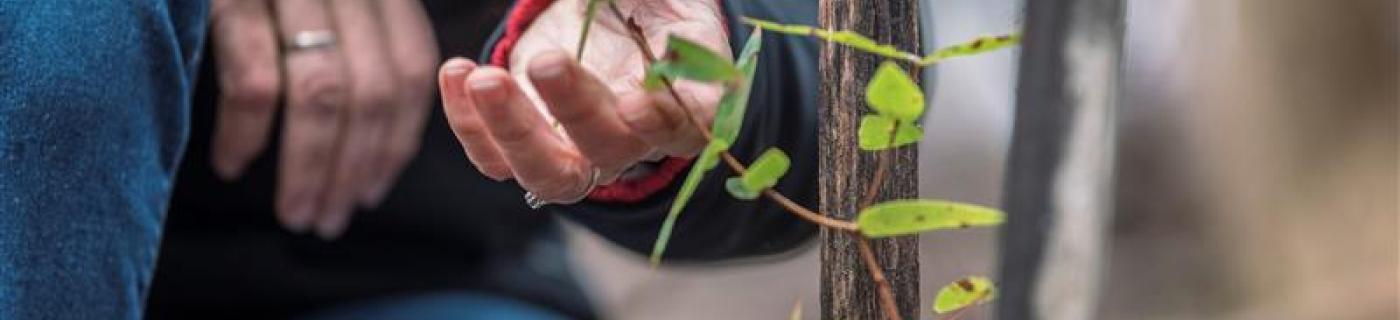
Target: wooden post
(1060, 172)
(846, 172)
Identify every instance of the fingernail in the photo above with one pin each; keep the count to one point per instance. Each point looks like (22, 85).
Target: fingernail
(485, 83)
(375, 194)
(298, 217)
(550, 67)
(333, 225)
(455, 67)
(228, 170)
(331, 228)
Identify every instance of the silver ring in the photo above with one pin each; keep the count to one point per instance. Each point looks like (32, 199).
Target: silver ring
(311, 40)
(534, 201)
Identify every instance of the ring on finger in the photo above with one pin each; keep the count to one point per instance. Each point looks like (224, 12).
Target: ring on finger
(534, 201)
(311, 40)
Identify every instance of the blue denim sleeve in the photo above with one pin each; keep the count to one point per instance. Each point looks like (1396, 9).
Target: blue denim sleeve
(94, 101)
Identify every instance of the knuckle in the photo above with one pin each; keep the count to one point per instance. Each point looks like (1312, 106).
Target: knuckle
(418, 74)
(324, 94)
(575, 115)
(513, 134)
(466, 127)
(374, 97)
(312, 156)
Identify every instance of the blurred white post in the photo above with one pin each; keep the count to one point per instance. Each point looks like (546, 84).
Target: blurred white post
(1058, 192)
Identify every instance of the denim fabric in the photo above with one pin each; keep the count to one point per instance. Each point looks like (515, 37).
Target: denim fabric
(94, 101)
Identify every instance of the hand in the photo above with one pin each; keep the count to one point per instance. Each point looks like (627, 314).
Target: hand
(608, 121)
(356, 99)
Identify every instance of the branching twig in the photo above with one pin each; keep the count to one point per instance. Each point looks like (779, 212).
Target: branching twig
(635, 32)
(867, 253)
(877, 273)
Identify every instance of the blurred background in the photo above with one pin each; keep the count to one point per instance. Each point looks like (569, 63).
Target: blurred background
(1257, 172)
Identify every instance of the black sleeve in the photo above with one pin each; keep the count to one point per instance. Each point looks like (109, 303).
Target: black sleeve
(781, 113)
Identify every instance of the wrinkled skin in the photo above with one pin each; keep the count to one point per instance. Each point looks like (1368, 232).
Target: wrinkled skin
(354, 113)
(505, 120)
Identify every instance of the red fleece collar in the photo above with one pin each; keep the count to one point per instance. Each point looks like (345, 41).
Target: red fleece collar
(624, 191)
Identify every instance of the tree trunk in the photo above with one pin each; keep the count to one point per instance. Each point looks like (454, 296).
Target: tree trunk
(1061, 165)
(847, 290)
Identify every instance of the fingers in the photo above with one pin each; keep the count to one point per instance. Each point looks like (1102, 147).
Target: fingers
(466, 122)
(245, 46)
(414, 56)
(585, 107)
(371, 101)
(316, 94)
(657, 119)
(541, 161)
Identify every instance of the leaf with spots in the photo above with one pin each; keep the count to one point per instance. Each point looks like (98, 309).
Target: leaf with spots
(964, 293)
(843, 37)
(976, 46)
(863, 43)
(905, 217)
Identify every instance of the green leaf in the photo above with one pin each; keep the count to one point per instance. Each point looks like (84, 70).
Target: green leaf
(976, 46)
(795, 29)
(863, 43)
(904, 217)
(736, 188)
(875, 129)
(964, 293)
(689, 60)
(891, 92)
(729, 115)
(708, 160)
(762, 174)
(656, 73)
(765, 172)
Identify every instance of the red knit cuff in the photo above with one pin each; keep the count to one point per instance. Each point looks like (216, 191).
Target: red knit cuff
(627, 191)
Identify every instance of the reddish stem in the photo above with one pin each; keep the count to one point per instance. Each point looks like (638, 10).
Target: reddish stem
(877, 273)
(635, 33)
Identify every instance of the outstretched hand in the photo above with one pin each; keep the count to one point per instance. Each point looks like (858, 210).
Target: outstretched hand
(606, 121)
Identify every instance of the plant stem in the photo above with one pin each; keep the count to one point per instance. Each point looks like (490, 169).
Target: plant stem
(588, 14)
(867, 253)
(877, 273)
(635, 33)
